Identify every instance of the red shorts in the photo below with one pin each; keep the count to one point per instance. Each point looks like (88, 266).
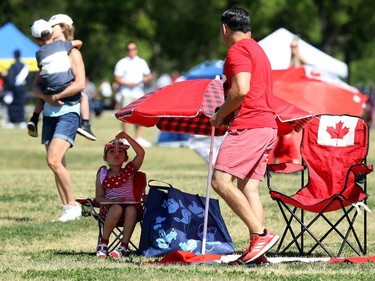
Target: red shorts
(244, 153)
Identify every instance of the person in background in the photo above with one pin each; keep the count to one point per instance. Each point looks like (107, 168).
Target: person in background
(56, 76)
(106, 94)
(286, 146)
(15, 83)
(61, 120)
(131, 73)
(252, 131)
(296, 59)
(115, 184)
(91, 92)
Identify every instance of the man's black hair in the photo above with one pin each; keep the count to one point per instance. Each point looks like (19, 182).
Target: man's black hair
(237, 19)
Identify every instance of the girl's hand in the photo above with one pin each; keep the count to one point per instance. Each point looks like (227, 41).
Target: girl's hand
(121, 135)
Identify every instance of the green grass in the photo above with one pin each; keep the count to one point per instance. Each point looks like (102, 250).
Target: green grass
(34, 248)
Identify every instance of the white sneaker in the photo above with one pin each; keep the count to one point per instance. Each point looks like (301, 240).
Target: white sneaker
(70, 213)
(63, 214)
(22, 125)
(8, 126)
(143, 142)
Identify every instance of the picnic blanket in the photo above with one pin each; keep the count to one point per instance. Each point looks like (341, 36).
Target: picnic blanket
(184, 257)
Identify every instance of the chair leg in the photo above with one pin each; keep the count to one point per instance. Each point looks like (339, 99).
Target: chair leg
(302, 236)
(116, 239)
(305, 228)
(288, 228)
(365, 232)
(352, 230)
(344, 237)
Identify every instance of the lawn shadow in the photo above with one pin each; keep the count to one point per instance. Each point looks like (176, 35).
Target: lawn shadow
(296, 254)
(67, 253)
(16, 219)
(131, 257)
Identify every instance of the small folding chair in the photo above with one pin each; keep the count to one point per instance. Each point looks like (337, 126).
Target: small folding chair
(334, 150)
(90, 207)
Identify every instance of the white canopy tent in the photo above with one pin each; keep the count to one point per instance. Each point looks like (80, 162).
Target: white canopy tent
(277, 47)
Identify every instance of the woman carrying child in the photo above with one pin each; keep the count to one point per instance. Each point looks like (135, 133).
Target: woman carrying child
(61, 121)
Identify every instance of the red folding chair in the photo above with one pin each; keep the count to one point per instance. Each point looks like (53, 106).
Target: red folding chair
(334, 150)
(90, 207)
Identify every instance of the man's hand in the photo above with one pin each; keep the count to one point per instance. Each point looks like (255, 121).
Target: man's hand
(216, 120)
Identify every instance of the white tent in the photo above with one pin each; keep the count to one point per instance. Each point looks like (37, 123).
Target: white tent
(277, 47)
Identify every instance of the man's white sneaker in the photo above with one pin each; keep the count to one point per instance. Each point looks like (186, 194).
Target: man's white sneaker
(143, 142)
(71, 213)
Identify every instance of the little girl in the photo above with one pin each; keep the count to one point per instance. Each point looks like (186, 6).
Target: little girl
(115, 184)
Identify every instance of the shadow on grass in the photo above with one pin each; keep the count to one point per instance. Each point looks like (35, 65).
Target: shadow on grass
(8, 218)
(296, 254)
(67, 253)
(290, 254)
(131, 257)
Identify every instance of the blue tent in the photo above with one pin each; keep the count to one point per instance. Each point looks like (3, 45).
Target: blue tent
(206, 70)
(11, 39)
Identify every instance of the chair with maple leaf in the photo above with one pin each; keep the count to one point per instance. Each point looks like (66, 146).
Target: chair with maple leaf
(334, 150)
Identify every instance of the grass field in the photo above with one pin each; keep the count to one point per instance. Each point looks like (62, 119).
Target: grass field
(34, 248)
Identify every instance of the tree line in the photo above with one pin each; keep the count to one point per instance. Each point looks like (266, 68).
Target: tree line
(178, 34)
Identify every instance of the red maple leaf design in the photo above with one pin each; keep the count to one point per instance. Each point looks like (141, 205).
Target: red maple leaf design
(339, 132)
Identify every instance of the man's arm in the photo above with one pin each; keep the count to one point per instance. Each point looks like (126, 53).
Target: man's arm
(122, 82)
(239, 89)
(148, 77)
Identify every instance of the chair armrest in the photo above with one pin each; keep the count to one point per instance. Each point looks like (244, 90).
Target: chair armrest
(360, 171)
(89, 206)
(285, 168)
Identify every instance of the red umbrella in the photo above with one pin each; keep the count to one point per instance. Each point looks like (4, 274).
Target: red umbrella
(186, 107)
(182, 107)
(317, 92)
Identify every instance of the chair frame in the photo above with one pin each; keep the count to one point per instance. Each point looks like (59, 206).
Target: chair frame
(90, 207)
(290, 215)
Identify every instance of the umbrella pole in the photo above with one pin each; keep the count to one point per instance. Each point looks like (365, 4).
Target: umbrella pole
(208, 189)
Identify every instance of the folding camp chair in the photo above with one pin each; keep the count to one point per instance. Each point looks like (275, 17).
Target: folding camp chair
(90, 207)
(334, 150)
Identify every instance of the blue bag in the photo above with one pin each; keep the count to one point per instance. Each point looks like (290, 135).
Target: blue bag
(173, 220)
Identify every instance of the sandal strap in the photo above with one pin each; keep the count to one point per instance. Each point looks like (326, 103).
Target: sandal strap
(102, 247)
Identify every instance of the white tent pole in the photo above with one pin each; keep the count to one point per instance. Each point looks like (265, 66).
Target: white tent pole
(208, 189)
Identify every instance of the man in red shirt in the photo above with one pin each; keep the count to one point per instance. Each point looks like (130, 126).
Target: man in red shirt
(252, 130)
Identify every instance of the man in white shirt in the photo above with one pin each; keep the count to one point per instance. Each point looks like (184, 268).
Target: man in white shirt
(131, 72)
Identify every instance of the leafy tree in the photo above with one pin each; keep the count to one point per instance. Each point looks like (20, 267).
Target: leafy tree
(177, 34)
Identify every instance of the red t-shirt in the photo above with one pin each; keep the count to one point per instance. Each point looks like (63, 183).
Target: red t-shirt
(256, 110)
